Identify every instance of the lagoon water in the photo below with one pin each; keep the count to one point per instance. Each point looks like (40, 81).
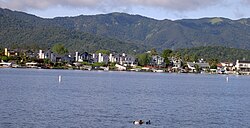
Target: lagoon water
(34, 98)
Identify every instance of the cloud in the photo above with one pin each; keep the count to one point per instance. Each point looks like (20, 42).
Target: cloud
(176, 5)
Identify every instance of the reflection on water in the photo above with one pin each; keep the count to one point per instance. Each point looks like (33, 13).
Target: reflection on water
(35, 98)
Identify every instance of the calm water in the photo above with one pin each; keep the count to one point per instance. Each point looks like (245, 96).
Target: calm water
(83, 99)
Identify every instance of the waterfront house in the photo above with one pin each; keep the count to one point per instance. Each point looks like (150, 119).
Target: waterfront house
(66, 58)
(157, 61)
(122, 59)
(100, 58)
(243, 67)
(175, 64)
(114, 58)
(41, 54)
(84, 57)
(30, 54)
(9, 53)
(225, 68)
(127, 60)
(194, 65)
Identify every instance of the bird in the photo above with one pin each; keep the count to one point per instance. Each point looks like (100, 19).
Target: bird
(148, 122)
(136, 122)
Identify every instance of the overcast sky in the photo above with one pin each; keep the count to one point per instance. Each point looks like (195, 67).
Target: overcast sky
(158, 9)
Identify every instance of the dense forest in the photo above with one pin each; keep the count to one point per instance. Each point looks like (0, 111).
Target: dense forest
(127, 33)
(217, 52)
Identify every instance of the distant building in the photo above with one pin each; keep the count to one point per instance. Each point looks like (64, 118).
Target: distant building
(41, 54)
(10, 52)
(243, 67)
(127, 60)
(157, 61)
(30, 54)
(202, 66)
(84, 57)
(225, 68)
(53, 57)
(100, 58)
(114, 58)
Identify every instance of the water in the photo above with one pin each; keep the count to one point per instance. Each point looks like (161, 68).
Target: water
(32, 98)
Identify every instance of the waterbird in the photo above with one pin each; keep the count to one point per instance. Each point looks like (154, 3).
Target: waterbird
(136, 122)
(148, 122)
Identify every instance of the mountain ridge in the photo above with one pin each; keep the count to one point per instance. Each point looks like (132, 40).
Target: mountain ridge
(124, 29)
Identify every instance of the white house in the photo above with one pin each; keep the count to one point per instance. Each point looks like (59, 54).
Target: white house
(157, 61)
(243, 67)
(122, 59)
(100, 58)
(41, 54)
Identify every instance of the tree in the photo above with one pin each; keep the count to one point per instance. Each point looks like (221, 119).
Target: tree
(59, 49)
(4, 58)
(143, 59)
(153, 52)
(197, 68)
(106, 52)
(193, 58)
(166, 54)
(213, 63)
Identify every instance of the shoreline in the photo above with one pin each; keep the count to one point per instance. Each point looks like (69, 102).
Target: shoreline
(95, 70)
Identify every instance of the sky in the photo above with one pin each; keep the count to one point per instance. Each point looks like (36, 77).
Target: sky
(157, 9)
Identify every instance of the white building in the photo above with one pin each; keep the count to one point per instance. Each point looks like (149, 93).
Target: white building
(100, 58)
(243, 67)
(157, 61)
(41, 54)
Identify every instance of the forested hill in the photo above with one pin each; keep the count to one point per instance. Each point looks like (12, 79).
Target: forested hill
(18, 29)
(120, 31)
(217, 52)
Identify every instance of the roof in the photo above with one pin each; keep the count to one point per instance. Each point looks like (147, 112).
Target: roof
(202, 65)
(244, 61)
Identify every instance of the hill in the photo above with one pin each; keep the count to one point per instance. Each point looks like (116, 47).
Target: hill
(162, 34)
(121, 32)
(22, 30)
(217, 52)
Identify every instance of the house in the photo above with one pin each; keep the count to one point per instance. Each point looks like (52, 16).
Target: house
(114, 58)
(127, 60)
(100, 58)
(225, 67)
(83, 57)
(243, 67)
(176, 62)
(193, 68)
(66, 58)
(53, 57)
(30, 54)
(157, 61)
(41, 54)
(10, 52)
